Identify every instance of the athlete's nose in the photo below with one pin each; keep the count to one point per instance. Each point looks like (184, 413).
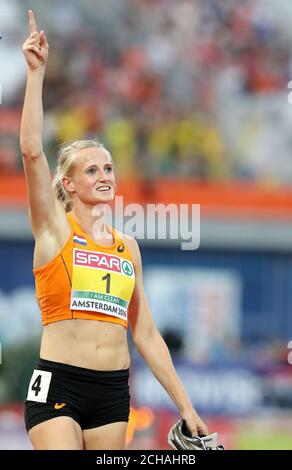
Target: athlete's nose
(103, 176)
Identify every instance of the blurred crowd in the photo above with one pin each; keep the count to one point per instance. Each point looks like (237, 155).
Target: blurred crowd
(174, 88)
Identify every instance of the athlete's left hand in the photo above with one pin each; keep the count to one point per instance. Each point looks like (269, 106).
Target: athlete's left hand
(194, 423)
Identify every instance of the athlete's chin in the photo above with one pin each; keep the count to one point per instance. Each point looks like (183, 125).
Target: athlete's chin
(104, 198)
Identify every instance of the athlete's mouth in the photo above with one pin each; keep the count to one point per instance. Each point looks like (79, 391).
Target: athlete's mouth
(104, 188)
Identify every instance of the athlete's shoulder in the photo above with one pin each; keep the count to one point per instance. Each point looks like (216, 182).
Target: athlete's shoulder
(131, 244)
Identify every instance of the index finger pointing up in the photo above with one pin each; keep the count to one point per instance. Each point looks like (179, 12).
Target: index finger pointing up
(32, 22)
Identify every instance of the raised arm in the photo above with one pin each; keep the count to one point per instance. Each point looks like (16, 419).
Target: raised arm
(40, 194)
(154, 351)
(35, 50)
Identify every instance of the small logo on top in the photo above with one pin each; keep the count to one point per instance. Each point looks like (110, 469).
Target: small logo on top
(121, 248)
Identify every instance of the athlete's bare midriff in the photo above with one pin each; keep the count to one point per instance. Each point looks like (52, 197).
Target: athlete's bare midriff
(91, 344)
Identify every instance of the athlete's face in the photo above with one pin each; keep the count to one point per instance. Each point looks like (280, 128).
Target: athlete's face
(93, 179)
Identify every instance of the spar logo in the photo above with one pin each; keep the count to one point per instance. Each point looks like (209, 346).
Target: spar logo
(93, 259)
(127, 268)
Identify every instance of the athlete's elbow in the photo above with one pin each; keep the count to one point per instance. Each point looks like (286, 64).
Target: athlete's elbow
(144, 337)
(30, 153)
(31, 147)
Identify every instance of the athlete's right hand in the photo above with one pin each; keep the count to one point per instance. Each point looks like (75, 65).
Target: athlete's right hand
(36, 47)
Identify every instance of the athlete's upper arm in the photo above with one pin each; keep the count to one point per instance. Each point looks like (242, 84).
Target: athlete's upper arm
(140, 318)
(42, 207)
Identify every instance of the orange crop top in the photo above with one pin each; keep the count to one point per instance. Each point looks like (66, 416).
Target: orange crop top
(86, 280)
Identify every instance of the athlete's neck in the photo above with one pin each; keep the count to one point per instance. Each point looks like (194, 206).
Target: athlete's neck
(92, 222)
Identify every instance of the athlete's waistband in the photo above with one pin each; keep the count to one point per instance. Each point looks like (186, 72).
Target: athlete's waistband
(44, 364)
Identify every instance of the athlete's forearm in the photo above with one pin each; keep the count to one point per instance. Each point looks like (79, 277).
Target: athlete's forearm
(31, 130)
(156, 354)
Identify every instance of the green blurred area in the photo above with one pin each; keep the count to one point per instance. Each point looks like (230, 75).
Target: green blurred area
(264, 440)
(18, 361)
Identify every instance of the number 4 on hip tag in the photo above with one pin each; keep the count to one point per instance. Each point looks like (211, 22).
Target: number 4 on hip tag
(39, 386)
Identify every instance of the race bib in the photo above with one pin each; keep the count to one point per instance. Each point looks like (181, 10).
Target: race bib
(101, 283)
(39, 386)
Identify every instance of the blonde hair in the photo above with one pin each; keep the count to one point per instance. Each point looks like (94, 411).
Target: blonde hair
(65, 165)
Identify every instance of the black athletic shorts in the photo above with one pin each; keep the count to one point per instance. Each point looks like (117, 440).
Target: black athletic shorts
(92, 398)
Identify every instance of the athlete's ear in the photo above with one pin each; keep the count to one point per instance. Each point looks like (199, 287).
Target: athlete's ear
(68, 185)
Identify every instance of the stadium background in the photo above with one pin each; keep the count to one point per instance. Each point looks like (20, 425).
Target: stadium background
(192, 99)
